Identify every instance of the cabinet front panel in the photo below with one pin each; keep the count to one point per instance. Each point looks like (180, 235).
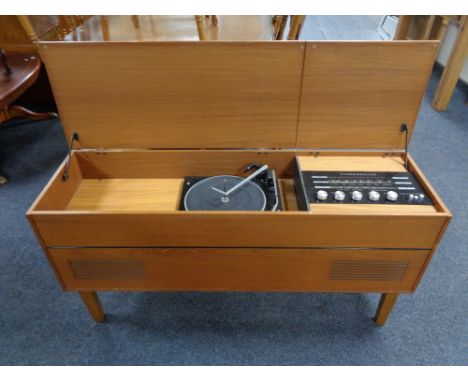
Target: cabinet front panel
(249, 269)
(267, 229)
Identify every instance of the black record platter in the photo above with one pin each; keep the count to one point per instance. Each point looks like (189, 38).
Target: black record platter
(257, 192)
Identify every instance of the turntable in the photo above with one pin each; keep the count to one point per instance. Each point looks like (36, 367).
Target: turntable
(257, 192)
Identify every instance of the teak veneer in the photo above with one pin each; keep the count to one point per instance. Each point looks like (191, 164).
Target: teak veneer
(201, 109)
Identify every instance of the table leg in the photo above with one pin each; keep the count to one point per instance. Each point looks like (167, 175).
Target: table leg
(402, 27)
(385, 307)
(453, 68)
(93, 304)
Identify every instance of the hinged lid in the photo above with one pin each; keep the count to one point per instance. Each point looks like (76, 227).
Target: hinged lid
(358, 94)
(220, 94)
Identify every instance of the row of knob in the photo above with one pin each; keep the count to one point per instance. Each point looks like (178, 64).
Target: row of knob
(357, 195)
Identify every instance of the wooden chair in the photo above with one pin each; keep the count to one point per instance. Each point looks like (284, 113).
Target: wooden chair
(434, 28)
(106, 29)
(199, 20)
(50, 28)
(295, 26)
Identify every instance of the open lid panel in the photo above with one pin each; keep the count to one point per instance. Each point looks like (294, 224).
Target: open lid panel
(358, 94)
(221, 94)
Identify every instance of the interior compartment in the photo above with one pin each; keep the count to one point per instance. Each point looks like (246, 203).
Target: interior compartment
(152, 180)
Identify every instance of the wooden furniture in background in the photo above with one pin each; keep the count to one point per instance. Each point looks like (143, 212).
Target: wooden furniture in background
(22, 33)
(453, 67)
(175, 28)
(106, 36)
(434, 28)
(200, 21)
(238, 95)
(19, 72)
(295, 26)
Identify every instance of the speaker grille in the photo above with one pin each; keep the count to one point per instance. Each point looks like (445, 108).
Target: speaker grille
(368, 270)
(107, 269)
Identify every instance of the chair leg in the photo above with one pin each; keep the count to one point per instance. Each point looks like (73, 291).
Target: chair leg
(387, 300)
(296, 27)
(214, 20)
(281, 27)
(105, 28)
(200, 27)
(16, 111)
(135, 21)
(93, 304)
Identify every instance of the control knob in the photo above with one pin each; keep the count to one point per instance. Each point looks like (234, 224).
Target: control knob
(392, 196)
(322, 195)
(339, 195)
(356, 196)
(374, 196)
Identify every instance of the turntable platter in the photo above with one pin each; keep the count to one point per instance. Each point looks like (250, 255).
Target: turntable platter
(205, 195)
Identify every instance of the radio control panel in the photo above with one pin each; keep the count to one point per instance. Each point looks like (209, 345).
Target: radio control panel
(364, 188)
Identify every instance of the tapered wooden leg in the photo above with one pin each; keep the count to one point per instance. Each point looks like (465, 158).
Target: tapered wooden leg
(385, 307)
(93, 304)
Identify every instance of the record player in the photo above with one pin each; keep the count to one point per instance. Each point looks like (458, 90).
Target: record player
(257, 192)
(239, 166)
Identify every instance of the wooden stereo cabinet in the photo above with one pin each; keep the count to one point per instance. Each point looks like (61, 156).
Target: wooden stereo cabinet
(145, 115)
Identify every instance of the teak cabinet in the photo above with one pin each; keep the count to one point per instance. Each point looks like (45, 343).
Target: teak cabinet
(146, 115)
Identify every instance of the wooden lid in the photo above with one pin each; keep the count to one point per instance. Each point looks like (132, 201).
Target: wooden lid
(177, 94)
(220, 94)
(358, 94)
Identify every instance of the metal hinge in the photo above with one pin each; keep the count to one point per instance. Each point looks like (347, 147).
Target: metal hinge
(66, 172)
(404, 129)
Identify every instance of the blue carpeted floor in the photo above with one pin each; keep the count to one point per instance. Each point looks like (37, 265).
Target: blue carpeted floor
(40, 324)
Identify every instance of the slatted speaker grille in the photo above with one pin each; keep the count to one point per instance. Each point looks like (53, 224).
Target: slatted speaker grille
(368, 270)
(107, 269)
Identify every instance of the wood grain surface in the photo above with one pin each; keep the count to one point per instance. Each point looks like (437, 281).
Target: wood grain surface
(127, 195)
(357, 94)
(177, 94)
(247, 269)
(352, 163)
